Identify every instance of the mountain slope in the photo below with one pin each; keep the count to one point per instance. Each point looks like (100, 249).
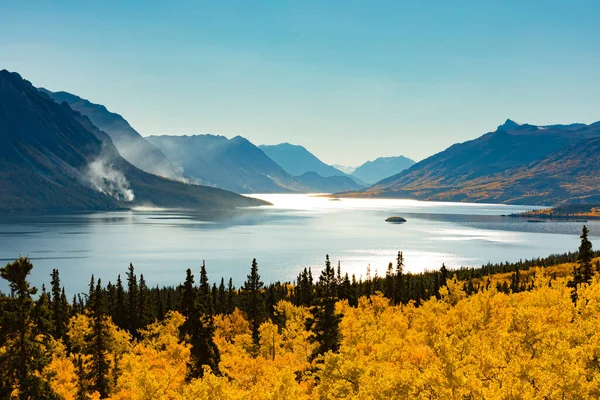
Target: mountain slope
(233, 164)
(131, 145)
(510, 147)
(383, 167)
(296, 160)
(54, 159)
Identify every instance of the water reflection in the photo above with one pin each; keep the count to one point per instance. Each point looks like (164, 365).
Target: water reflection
(296, 232)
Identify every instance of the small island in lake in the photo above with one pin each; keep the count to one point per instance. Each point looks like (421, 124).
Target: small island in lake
(396, 220)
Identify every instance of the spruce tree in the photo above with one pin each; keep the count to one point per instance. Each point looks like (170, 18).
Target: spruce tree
(25, 356)
(198, 328)
(585, 256)
(443, 275)
(230, 297)
(120, 318)
(99, 341)
(253, 300)
(389, 282)
(222, 298)
(132, 301)
(399, 286)
(144, 304)
(324, 323)
(60, 312)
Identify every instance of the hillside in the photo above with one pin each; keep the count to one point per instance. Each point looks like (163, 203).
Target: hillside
(54, 159)
(131, 145)
(522, 164)
(382, 167)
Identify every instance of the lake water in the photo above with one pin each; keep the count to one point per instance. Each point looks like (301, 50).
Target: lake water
(296, 232)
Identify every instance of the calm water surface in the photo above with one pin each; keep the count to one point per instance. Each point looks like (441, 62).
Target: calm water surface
(295, 233)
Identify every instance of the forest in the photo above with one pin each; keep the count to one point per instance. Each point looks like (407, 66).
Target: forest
(510, 330)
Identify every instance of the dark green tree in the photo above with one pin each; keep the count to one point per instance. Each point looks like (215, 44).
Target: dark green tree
(198, 328)
(144, 304)
(585, 256)
(399, 294)
(60, 310)
(253, 300)
(443, 275)
(25, 356)
(389, 282)
(132, 301)
(120, 318)
(324, 323)
(99, 341)
(230, 297)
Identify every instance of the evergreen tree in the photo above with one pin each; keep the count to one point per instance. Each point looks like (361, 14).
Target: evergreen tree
(132, 301)
(230, 297)
(24, 356)
(399, 286)
(144, 304)
(253, 302)
(120, 318)
(324, 322)
(99, 341)
(585, 256)
(60, 312)
(389, 282)
(222, 298)
(198, 328)
(443, 275)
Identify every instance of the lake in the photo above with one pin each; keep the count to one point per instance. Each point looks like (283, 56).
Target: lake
(296, 232)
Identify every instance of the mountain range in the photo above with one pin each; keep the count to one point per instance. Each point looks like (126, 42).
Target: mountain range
(296, 160)
(53, 158)
(516, 163)
(131, 145)
(382, 167)
(238, 165)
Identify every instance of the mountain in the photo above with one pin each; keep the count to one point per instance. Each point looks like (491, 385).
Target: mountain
(344, 168)
(570, 175)
(131, 145)
(233, 164)
(296, 160)
(383, 167)
(238, 165)
(54, 159)
(520, 155)
(330, 184)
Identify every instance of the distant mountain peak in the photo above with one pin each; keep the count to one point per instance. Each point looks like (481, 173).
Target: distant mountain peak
(508, 125)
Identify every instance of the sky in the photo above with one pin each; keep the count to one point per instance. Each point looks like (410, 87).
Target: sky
(349, 80)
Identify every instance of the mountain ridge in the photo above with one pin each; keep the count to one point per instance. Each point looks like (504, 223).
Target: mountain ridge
(53, 158)
(466, 171)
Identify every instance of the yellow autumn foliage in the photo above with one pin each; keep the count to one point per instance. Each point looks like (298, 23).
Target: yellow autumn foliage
(530, 345)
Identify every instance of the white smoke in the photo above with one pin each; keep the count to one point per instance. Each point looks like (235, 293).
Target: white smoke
(106, 179)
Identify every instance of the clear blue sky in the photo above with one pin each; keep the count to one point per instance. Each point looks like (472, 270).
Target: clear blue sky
(350, 80)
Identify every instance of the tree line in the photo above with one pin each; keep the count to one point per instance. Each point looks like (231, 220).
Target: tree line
(29, 320)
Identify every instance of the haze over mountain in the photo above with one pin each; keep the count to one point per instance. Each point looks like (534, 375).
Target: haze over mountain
(344, 168)
(131, 145)
(233, 164)
(238, 165)
(383, 167)
(530, 160)
(54, 159)
(297, 160)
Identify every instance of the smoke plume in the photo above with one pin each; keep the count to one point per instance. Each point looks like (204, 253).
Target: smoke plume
(106, 179)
